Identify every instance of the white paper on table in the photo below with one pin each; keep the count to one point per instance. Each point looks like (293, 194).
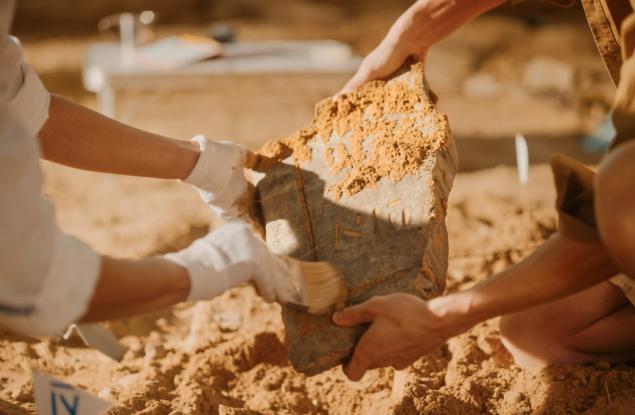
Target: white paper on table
(54, 397)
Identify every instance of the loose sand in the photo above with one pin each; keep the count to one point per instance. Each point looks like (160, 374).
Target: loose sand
(400, 145)
(229, 353)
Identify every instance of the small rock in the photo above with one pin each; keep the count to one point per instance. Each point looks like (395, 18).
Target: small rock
(602, 365)
(44, 349)
(154, 351)
(20, 391)
(228, 320)
(228, 410)
(24, 349)
(549, 75)
(107, 394)
(129, 381)
(134, 348)
(489, 344)
(513, 396)
(580, 376)
(499, 266)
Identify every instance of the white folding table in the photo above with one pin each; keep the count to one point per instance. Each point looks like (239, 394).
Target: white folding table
(106, 73)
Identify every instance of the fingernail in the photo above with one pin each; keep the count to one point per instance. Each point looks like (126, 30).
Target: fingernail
(337, 315)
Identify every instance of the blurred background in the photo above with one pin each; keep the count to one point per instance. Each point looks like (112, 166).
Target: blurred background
(530, 68)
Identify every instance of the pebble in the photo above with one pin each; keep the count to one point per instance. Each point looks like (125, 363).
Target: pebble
(154, 351)
(228, 320)
(20, 391)
(602, 365)
(513, 396)
(107, 394)
(128, 381)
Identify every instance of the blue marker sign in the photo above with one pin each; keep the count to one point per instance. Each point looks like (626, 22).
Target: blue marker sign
(54, 397)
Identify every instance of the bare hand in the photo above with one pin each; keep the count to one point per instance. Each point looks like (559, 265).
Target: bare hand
(416, 30)
(403, 328)
(382, 62)
(406, 38)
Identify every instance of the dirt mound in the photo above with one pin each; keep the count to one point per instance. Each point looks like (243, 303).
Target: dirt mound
(227, 356)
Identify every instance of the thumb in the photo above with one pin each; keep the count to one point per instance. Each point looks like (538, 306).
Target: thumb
(357, 314)
(360, 77)
(251, 159)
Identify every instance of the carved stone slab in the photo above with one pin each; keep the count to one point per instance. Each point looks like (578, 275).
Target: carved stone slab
(388, 236)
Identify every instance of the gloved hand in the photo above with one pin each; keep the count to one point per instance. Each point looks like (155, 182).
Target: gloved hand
(218, 176)
(230, 256)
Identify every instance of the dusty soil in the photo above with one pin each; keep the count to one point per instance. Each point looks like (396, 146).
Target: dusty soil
(228, 355)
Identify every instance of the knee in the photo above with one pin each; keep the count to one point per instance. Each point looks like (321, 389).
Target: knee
(615, 204)
(519, 340)
(532, 346)
(510, 330)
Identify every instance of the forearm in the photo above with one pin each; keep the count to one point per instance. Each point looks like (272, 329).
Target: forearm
(128, 287)
(558, 268)
(79, 137)
(428, 21)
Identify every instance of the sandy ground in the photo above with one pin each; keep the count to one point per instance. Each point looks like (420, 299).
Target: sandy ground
(228, 355)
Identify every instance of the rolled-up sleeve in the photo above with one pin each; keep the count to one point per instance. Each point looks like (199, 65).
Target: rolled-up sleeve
(46, 277)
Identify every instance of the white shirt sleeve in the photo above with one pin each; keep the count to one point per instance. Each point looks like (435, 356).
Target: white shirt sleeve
(46, 277)
(29, 99)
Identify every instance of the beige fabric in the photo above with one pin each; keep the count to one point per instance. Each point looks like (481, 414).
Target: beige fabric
(605, 29)
(574, 181)
(612, 23)
(627, 286)
(574, 188)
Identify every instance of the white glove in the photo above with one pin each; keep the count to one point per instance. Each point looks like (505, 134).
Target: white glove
(218, 175)
(230, 256)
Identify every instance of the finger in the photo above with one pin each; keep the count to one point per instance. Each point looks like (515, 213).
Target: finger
(357, 314)
(265, 291)
(400, 364)
(362, 76)
(358, 365)
(251, 159)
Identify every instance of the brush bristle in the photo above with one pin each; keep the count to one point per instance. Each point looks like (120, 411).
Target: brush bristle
(325, 286)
